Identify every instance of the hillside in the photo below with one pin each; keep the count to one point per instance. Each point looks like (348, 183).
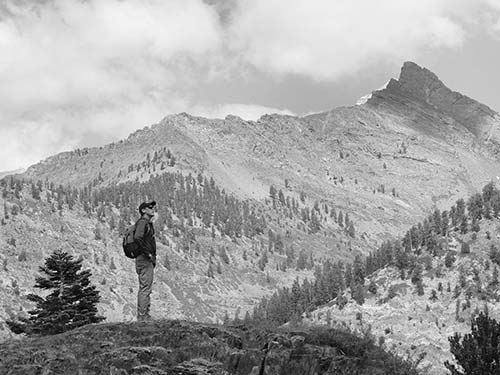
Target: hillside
(412, 307)
(205, 269)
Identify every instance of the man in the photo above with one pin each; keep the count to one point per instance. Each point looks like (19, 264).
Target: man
(144, 236)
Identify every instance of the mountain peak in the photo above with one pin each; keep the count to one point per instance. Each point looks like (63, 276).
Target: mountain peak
(421, 82)
(418, 87)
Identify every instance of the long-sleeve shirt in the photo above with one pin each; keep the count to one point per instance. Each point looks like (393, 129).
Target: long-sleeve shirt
(144, 236)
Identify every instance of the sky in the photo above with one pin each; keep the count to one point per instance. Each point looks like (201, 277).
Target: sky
(83, 73)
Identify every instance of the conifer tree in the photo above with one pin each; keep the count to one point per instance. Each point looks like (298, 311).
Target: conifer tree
(340, 219)
(449, 259)
(358, 294)
(476, 353)
(494, 277)
(351, 231)
(475, 206)
(71, 303)
(460, 209)
(372, 287)
(465, 248)
(358, 272)
(433, 296)
(210, 271)
(416, 275)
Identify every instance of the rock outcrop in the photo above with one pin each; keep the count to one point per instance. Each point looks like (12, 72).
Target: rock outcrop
(185, 348)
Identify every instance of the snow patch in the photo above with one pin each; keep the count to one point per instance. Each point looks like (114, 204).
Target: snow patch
(367, 97)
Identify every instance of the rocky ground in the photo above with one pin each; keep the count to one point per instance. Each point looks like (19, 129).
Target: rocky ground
(185, 348)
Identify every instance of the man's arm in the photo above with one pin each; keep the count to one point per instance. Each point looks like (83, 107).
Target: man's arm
(140, 231)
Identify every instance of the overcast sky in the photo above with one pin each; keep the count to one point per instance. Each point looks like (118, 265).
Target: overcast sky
(77, 73)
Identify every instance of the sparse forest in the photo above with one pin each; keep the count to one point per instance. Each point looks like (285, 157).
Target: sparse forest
(408, 254)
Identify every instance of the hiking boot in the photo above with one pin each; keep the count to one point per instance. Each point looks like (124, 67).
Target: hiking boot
(144, 318)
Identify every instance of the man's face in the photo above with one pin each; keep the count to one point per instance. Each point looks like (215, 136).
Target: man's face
(149, 211)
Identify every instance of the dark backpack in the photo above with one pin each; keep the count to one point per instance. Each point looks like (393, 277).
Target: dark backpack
(130, 247)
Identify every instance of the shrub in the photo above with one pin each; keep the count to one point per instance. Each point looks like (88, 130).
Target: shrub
(361, 355)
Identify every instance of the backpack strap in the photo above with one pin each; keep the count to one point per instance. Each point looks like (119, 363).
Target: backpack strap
(147, 224)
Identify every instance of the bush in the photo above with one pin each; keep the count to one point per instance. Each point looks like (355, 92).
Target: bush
(361, 355)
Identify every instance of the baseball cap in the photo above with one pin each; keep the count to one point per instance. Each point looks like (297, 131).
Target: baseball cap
(144, 205)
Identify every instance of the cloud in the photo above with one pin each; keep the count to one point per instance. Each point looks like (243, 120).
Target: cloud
(77, 68)
(327, 39)
(78, 73)
(245, 111)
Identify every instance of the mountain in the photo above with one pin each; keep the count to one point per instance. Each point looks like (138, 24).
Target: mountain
(248, 206)
(416, 140)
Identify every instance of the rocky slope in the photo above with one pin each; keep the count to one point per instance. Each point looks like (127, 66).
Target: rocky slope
(184, 348)
(416, 325)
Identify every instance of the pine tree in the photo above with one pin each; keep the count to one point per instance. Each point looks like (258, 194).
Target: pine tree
(465, 248)
(433, 296)
(272, 192)
(210, 271)
(358, 294)
(449, 259)
(475, 206)
(494, 277)
(71, 304)
(419, 288)
(476, 352)
(416, 275)
(351, 231)
(372, 287)
(358, 272)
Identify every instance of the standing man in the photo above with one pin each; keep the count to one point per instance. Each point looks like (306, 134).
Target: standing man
(145, 263)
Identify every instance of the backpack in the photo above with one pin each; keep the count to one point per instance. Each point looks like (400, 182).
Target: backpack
(130, 247)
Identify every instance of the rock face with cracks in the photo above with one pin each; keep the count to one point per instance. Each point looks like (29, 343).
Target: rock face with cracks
(180, 348)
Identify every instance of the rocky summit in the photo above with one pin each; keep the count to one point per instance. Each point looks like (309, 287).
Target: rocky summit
(184, 348)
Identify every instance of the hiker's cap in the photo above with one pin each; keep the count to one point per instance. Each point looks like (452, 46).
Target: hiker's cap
(144, 205)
